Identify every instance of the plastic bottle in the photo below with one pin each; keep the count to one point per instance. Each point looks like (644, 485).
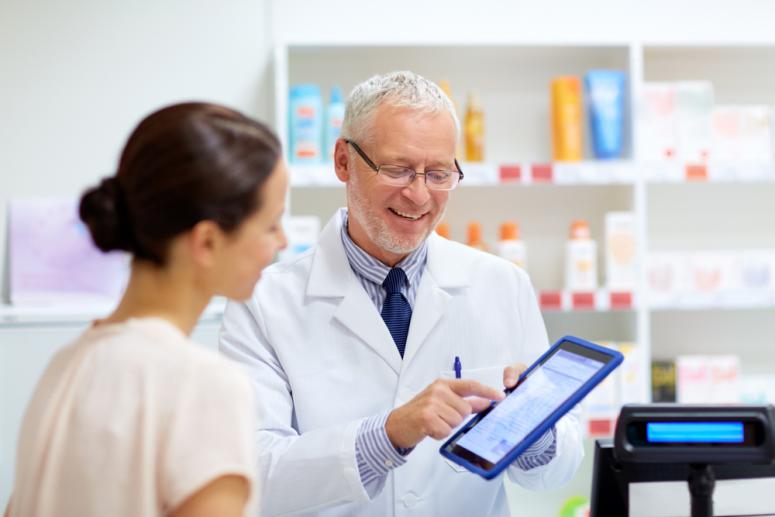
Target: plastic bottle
(443, 229)
(474, 129)
(305, 124)
(510, 247)
(580, 259)
(334, 118)
(474, 236)
(605, 98)
(460, 144)
(566, 119)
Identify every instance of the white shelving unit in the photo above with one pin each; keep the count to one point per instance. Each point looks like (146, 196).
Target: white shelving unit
(678, 206)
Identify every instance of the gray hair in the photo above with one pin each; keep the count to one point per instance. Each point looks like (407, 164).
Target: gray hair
(402, 89)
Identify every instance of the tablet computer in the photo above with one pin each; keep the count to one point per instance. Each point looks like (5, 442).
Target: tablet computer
(549, 388)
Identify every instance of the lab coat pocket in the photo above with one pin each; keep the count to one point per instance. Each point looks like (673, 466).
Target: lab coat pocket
(491, 376)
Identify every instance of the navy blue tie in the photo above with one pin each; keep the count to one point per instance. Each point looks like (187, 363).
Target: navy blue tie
(396, 311)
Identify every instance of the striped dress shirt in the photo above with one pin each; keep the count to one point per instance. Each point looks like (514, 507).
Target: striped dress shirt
(374, 452)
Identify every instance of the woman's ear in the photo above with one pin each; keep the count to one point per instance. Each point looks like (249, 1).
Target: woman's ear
(204, 241)
(342, 160)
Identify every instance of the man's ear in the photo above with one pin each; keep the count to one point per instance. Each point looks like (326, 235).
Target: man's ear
(203, 241)
(342, 163)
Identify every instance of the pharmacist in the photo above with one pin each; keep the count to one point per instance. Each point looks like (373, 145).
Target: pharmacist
(351, 347)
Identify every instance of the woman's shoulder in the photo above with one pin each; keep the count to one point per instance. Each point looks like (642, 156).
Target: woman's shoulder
(153, 350)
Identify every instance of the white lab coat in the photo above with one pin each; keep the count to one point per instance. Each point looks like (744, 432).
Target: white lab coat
(321, 360)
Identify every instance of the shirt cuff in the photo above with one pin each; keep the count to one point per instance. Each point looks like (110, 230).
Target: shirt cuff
(374, 452)
(540, 453)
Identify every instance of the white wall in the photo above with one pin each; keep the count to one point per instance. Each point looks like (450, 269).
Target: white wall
(545, 21)
(77, 75)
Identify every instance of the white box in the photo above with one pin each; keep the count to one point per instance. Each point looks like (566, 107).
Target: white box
(710, 276)
(703, 379)
(756, 134)
(757, 389)
(621, 251)
(692, 379)
(724, 379)
(633, 373)
(694, 107)
(726, 134)
(665, 277)
(657, 137)
(302, 233)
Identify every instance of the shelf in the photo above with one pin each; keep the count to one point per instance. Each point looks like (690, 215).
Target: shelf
(495, 174)
(599, 173)
(601, 300)
(760, 301)
(79, 313)
(712, 172)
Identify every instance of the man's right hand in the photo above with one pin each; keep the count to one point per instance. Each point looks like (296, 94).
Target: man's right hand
(438, 409)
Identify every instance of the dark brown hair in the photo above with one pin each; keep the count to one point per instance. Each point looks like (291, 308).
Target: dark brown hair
(181, 165)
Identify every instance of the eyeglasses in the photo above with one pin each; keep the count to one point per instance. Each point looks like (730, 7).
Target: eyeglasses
(400, 176)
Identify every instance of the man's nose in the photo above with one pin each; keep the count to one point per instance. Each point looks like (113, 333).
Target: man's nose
(417, 190)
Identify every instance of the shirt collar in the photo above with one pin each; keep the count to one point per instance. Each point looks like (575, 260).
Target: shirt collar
(375, 271)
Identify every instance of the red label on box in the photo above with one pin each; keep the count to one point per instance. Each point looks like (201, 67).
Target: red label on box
(601, 427)
(551, 300)
(510, 173)
(583, 301)
(542, 172)
(696, 172)
(621, 300)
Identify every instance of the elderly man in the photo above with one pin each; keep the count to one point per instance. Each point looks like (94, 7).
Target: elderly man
(351, 346)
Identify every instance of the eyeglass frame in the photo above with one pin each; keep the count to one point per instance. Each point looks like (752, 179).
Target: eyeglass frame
(373, 166)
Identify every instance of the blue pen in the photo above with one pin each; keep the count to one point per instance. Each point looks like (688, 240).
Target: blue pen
(458, 367)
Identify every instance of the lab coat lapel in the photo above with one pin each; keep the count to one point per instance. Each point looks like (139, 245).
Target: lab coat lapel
(331, 276)
(444, 277)
(429, 308)
(358, 313)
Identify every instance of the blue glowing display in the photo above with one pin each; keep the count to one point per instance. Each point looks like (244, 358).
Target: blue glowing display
(694, 432)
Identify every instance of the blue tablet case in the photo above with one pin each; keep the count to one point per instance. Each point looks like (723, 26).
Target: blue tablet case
(543, 427)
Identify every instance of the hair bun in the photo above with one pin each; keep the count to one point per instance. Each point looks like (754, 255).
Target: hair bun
(103, 210)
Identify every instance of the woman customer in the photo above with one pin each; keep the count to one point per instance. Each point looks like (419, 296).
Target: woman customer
(132, 419)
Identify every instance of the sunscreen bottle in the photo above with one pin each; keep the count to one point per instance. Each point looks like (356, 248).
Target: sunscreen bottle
(510, 247)
(580, 259)
(474, 233)
(443, 229)
(566, 119)
(305, 124)
(474, 130)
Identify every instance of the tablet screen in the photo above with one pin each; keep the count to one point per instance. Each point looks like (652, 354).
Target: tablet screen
(534, 399)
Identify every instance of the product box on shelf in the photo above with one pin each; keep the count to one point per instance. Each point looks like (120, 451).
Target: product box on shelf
(757, 389)
(632, 374)
(753, 281)
(302, 232)
(741, 133)
(620, 251)
(665, 277)
(53, 260)
(657, 137)
(707, 379)
(711, 278)
(626, 385)
(305, 124)
(663, 381)
(694, 107)
(711, 275)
